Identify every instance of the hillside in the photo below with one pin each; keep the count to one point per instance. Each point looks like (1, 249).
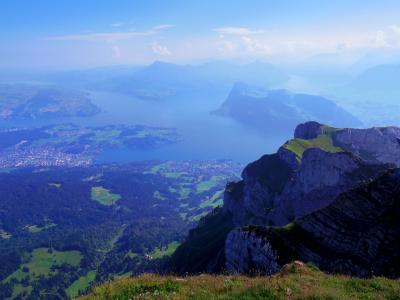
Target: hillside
(64, 229)
(161, 80)
(372, 95)
(23, 101)
(295, 281)
(277, 111)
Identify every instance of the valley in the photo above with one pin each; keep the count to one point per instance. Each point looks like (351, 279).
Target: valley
(72, 227)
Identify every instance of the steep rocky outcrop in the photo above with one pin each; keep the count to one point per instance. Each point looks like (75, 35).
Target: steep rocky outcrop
(358, 234)
(308, 173)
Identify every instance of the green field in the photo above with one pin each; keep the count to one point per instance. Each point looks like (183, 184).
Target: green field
(40, 261)
(20, 289)
(81, 284)
(197, 218)
(207, 185)
(215, 201)
(104, 196)
(36, 228)
(295, 281)
(323, 141)
(167, 251)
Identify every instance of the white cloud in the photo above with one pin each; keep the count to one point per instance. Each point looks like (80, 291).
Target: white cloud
(237, 31)
(116, 24)
(163, 26)
(160, 50)
(109, 36)
(255, 46)
(389, 37)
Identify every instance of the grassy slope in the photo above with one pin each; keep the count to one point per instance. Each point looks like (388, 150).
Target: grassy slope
(296, 281)
(323, 141)
(168, 251)
(81, 284)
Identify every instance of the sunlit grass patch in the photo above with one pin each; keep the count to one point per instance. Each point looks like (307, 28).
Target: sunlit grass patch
(323, 141)
(165, 251)
(298, 281)
(104, 196)
(209, 184)
(41, 260)
(81, 284)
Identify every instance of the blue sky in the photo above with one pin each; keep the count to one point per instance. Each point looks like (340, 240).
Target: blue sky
(85, 33)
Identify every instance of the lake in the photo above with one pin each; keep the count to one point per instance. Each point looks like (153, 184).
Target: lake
(204, 136)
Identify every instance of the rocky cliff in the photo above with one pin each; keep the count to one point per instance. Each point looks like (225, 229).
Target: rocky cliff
(358, 234)
(309, 174)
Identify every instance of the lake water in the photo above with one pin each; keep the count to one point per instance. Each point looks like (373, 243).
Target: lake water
(204, 136)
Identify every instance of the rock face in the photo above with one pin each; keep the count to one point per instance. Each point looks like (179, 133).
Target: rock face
(248, 253)
(307, 131)
(358, 234)
(280, 187)
(375, 144)
(303, 183)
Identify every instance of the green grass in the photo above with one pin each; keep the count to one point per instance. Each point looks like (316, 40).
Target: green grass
(158, 168)
(104, 196)
(36, 229)
(81, 284)
(131, 254)
(167, 251)
(323, 141)
(296, 281)
(19, 289)
(213, 202)
(184, 192)
(207, 185)
(40, 263)
(197, 218)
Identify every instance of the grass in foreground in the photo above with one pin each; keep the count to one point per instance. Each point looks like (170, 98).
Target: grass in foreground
(296, 281)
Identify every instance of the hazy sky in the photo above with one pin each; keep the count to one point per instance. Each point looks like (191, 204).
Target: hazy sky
(83, 33)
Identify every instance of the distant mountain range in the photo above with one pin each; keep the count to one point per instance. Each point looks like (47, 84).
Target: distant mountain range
(281, 110)
(373, 96)
(161, 80)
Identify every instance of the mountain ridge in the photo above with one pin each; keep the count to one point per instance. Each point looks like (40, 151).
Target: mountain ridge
(288, 186)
